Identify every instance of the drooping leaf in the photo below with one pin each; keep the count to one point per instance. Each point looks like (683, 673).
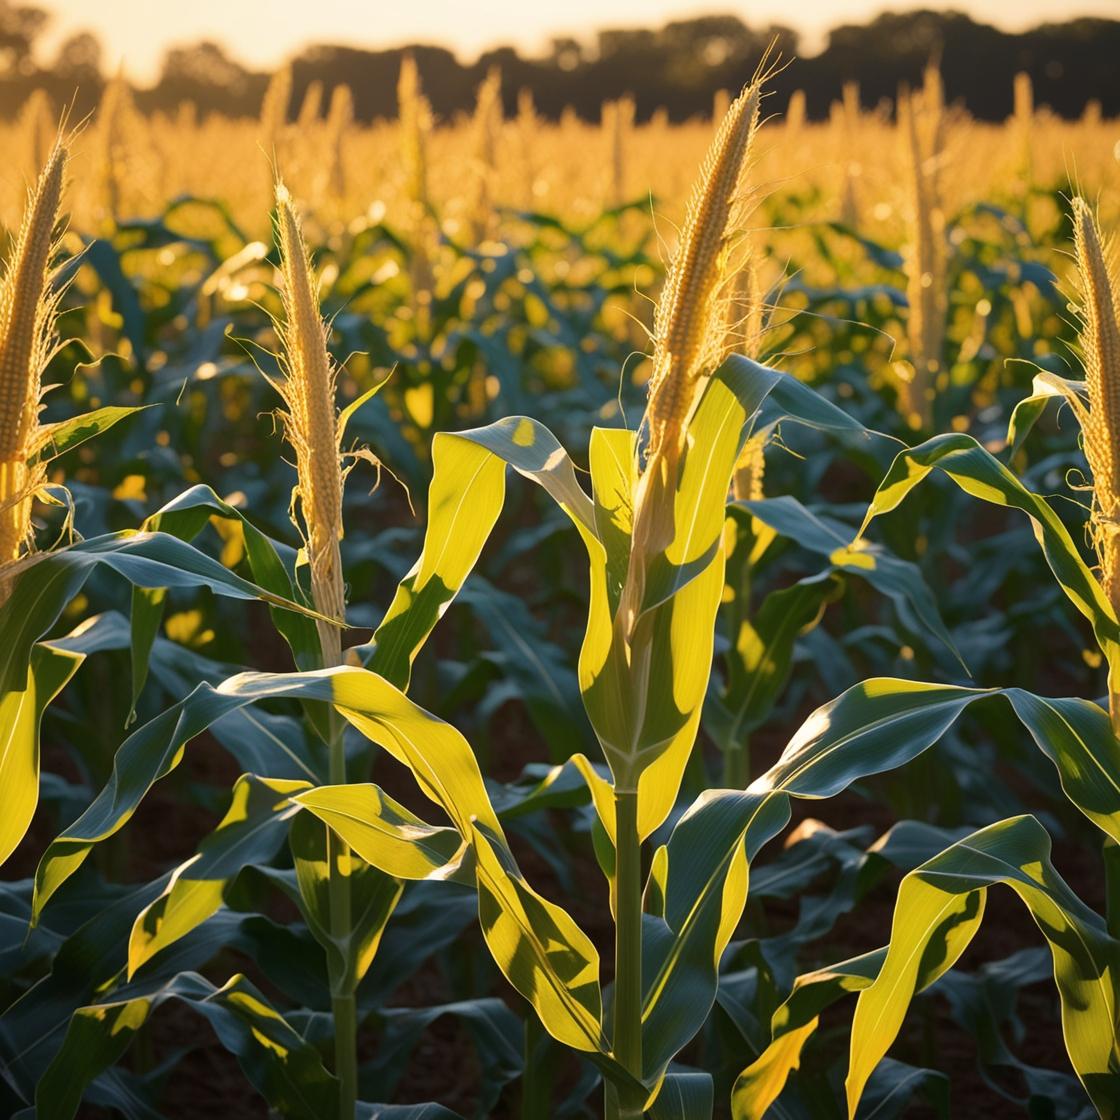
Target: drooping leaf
(250, 833)
(45, 588)
(384, 833)
(542, 952)
(283, 1067)
(1086, 959)
(978, 473)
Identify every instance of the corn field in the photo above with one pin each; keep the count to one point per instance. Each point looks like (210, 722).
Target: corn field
(510, 618)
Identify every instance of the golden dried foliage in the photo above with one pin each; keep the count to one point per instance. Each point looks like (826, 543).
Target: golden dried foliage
(340, 120)
(416, 125)
(37, 123)
(618, 123)
(795, 112)
(114, 125)
(274, 110)
(311, 107)
(487, 126)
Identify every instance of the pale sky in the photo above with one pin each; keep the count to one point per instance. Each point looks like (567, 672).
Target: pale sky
(262, 32)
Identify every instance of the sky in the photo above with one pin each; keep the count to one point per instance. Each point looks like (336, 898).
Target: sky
(260, 33)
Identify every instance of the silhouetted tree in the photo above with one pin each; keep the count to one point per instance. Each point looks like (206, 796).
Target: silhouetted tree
(79, 59)
(679, 66)
(205, 74)
(20, 26)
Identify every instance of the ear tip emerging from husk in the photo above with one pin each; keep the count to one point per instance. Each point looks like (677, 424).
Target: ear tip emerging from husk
(46, 196)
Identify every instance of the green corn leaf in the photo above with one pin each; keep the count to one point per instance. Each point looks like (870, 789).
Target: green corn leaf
(1078, 739)
(347, 414)
(86, 962)
(703, 893)
(1111, 853)
(875, 726)
(260, 742)
(534, 452)
(1046, 387)
(883, 723)
(981, 475)
(250, 833)
(21, 712)
(683, 590)
(1015, 853)
(147, 755)
(447, 772)
(495, 1030)
(789, 398)
(732, 397)
(373, 898)
(552, 787)
(682, 643)
(464, 500)
(684, 1095)
(186, 515)
(541, 951)
(437, 754)
(613, 460)
(105, 259)
(146, 615)
(58, 438)
(794, 1022)
(145, 559)
(984, 1003)
(797, 1018)
(648, 745)
(870, 728)
(685, 585)
(384, 833)
(284, 1068)
(545, 678)
(763, 658)
(893, 1085)
(898, 580)
(404, 1112)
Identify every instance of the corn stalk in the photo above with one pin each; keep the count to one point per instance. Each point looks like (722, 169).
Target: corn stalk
(311, 426)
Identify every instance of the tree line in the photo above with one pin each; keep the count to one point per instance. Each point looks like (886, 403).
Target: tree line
(678, 67)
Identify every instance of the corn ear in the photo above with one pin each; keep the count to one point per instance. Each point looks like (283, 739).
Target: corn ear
(689, 345)
(28, 310)
(1100, 352)
(311, 425)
